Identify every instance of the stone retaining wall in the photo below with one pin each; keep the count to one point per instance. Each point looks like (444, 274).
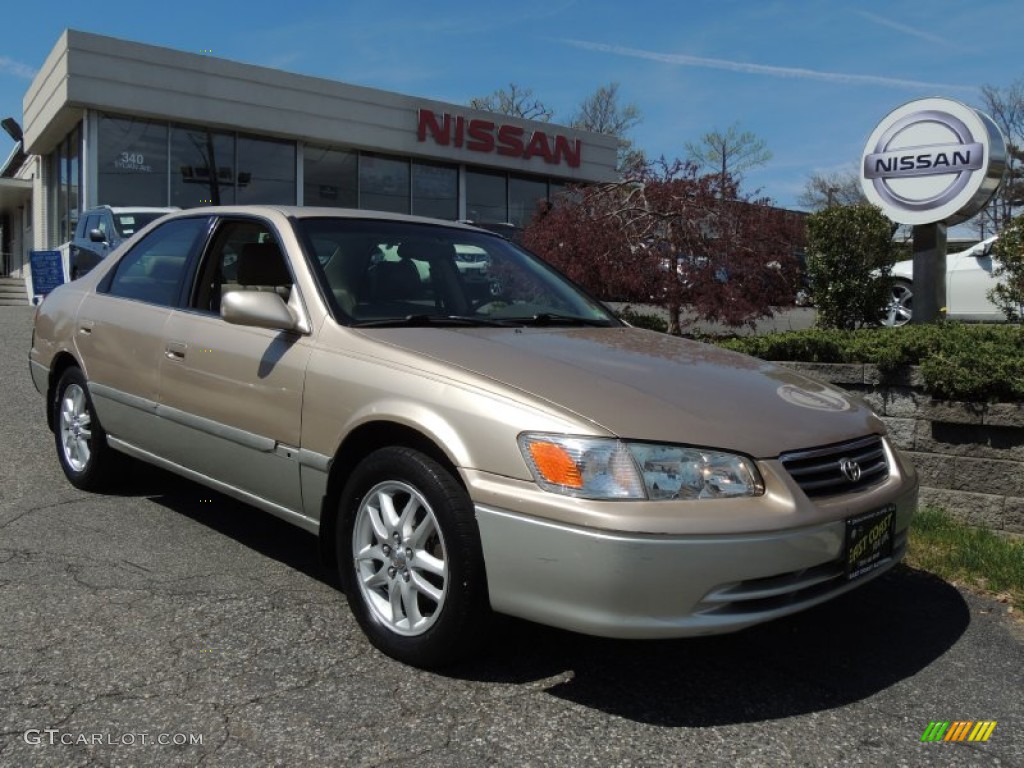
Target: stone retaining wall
(970, 456)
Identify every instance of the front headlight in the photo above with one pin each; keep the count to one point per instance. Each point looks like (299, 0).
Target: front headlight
(606, 468)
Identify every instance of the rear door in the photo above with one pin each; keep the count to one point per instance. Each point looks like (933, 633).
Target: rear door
(120, 330)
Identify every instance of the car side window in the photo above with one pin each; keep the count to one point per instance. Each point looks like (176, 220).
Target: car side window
(244, 255)
(153, 270)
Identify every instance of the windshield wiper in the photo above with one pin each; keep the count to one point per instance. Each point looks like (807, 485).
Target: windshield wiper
(554, 318)
(425, 321)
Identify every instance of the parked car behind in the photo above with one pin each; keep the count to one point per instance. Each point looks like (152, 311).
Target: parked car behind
(968, 281)
(100, 230)
(461, 446)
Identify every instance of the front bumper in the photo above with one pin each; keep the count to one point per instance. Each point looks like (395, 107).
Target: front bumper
(631, 585)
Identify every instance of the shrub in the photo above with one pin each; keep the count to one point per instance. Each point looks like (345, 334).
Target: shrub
(958, 362)
(1008, 250)
(849, 255)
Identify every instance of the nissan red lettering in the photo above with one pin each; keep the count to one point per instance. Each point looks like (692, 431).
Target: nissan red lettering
(477, 135)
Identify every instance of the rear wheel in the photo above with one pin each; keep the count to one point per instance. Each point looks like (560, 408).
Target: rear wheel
(81, 442)
(900, 308)
(410, 560)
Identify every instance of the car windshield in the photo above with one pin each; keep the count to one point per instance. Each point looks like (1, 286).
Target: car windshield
(387, 273)
(128, 224)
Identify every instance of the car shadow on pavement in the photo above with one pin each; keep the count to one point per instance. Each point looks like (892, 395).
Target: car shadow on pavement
(256, 529)
(835, 654)
(829, 656)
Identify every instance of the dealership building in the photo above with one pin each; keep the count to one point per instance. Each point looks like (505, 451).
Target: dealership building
(109, 121)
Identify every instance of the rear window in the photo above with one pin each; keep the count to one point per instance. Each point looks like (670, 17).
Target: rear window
(129, 223)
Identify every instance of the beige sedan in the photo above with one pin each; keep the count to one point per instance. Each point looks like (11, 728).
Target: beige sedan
(466, 440)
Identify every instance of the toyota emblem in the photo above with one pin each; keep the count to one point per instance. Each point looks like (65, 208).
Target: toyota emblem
(850, 469)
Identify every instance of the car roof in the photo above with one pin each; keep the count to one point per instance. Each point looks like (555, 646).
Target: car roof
(141, 209)
(312, 212)
(131, 209)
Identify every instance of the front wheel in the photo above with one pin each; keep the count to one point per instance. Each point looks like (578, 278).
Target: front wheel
(410, 559)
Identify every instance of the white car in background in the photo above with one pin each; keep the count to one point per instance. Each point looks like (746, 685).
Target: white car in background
(968, 281)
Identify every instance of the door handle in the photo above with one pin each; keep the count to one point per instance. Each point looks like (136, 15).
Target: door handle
(175, 350)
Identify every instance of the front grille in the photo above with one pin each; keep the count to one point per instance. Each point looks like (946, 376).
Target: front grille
(819, 471)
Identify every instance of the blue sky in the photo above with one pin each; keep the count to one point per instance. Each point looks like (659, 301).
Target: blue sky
(811, 78)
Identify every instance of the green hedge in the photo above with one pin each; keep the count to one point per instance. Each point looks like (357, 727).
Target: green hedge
(975, 363)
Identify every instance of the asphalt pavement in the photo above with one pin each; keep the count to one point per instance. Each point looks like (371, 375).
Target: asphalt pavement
(168, 625)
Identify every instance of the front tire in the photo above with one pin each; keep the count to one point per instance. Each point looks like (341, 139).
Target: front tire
(409, 558)
(81, 442)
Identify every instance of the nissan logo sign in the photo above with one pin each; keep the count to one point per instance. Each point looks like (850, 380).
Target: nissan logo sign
(933, 160)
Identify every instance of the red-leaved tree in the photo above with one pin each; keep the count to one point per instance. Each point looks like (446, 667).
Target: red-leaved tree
(670, 237)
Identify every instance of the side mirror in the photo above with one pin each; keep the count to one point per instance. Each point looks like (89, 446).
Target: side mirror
(259, 309)
(96, 236)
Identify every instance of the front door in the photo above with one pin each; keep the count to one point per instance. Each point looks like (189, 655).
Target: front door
(233, 394)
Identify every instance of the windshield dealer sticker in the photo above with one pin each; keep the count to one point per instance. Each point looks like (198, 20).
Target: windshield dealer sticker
(818, 401)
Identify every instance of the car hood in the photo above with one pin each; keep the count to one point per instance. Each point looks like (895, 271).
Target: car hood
(645, 385)
(903, 269)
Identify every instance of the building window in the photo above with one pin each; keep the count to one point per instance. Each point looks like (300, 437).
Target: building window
(202, 167)
(383, 183)
(524, 196)
(266, 171)
(131, 162)
(486, 197)
(66, 189)
(435, 190)
(330, 177)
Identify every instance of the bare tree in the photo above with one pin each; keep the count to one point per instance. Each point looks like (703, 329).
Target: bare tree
(516, 101)
(601, 113)
(728, 154)
(1006, 107)
(823, 190)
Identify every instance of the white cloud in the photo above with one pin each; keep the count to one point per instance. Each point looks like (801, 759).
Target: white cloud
(16, 68)
(905, 29)
(684, 60)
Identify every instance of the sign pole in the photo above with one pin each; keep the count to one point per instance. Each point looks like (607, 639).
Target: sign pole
(929, 273)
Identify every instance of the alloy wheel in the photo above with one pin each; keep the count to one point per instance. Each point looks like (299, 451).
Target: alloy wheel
(75, 428)
(400, 558)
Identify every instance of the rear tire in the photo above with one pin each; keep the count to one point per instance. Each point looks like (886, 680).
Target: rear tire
(410, 560)
(81, 442)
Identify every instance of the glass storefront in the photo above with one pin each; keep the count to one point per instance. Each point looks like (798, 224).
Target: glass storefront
(131, 162)
(486, 197)
(202, 167)
(149, 163)
(383, 183)
(66, 190)
(524, 196)
(330, 177)
(435, 190)
(266, 171)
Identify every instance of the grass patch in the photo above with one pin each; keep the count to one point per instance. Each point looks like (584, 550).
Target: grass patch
(973, 557)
